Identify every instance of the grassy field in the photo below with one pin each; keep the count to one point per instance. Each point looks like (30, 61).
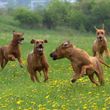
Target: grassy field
(18, 92)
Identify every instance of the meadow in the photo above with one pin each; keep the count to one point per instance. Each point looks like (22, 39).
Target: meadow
(18, 92)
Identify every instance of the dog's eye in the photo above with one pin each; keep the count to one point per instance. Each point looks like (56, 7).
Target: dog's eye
(102, 33)
(98, 33)
(18, 35)
(37, 42)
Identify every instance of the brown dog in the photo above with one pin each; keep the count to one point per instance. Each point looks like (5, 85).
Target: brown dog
(36, 60)
(81, 62)
(100, 44)
(11, 52)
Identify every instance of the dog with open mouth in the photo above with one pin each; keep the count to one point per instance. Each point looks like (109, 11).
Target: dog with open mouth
(100, 45)
(36, 61)
(11, 52)
(81, 62)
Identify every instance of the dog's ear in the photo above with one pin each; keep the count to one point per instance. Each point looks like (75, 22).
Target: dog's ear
(13, 32)
(66, 44)
(32, 41)
(95, 28)
(103, 27)
(45, 41)
(22, 33)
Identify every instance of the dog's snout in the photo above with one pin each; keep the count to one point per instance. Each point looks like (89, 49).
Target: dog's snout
(53, 55)
(100, 37)
(40, 46)
(22, 38)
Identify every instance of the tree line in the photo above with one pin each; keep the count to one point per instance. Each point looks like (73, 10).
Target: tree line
(82, 15)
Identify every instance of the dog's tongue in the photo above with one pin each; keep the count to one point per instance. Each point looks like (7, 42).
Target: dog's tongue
(40, 49)
(20, 42)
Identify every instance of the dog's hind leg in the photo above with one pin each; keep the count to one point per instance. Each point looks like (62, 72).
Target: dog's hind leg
(100, 78)
(99, 73)
(91, 77)
(85, 67)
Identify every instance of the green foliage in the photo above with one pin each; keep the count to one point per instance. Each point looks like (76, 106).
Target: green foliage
(55, 14)
(82, 15)
(27, 18)
(101, 13)
(74, 20)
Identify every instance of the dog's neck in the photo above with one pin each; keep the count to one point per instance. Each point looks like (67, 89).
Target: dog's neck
(70, 54)
(14, 43)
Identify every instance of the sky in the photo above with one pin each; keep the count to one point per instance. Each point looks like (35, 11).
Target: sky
(72, 0)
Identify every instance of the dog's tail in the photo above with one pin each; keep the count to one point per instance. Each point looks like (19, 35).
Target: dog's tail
(101, 61)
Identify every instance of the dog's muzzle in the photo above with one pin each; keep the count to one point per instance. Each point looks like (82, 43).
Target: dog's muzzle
(40, 49)
(100, 38)
(53, 56)
(20, 41)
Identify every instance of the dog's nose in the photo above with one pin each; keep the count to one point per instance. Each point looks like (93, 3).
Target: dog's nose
(40, 46)
(100, 37)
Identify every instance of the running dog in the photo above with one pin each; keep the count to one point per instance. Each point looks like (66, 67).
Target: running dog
(81, 62)
(100, 44)
(11, 52)
(36, 61)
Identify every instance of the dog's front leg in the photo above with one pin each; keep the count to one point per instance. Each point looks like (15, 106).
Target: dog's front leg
(45, 71)
(75, 77)
(91, 77)
(20, 62)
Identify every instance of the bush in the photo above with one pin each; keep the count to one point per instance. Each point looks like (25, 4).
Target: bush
(82, 15)
(76, 19)
(55, 14)
(28, 18)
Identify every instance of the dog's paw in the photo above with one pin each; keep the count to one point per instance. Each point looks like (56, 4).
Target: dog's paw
(73, 80)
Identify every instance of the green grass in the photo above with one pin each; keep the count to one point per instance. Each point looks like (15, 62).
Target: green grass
(18, 92)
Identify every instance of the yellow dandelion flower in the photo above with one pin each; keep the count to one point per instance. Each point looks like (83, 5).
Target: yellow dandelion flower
(33, 103)
(47, 97)
(89, 92)
(19, 102)
(85, 107)
(104, 109)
